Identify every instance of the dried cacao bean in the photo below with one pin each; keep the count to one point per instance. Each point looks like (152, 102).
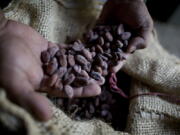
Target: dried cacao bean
(125, 35)
(53, 50)
(52, 66)
(77, 68)
(108, 36)
(58, 85)
(69, 91)
(63, 60)
(81, 59)
(77, 47)
(61, 71)
(71, 60)
(69, 79)
(95, 75)
(45, 57)
(87, 54)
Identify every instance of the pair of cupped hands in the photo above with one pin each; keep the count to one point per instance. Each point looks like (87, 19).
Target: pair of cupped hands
(21, 46)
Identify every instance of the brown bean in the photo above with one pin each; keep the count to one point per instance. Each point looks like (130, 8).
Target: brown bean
(71, 60)
(107, 45)
(93, 54)
(108, 36)
(125, 35)
(53, 50)
(58, 85)
(87, 67)
(101, 41)
(108, 55)
(120, 29)
(69, 79)
(119, 44)
(45, 57)
(108, 51)
(101, 81)
(104, 57)
(61, 71)
(84, 74)
(69, 71)
(52, 66)
(81, 59)
(77, 47)
(104, 65)
(71, 52)
(99, 61)
(60, 52)
(125, 43)
(63, 60)
(52, 80)
(77, 68)
(99, 49)
(87, 54)
(95, 75)
(69, 91)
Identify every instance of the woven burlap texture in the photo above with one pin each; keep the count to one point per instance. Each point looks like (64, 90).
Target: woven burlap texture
(152, 69)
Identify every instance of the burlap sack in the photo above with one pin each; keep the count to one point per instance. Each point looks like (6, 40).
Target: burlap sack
(152, 69)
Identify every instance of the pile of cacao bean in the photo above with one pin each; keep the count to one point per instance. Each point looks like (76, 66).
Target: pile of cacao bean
(70, 67)
(108, 106)
(92, 58)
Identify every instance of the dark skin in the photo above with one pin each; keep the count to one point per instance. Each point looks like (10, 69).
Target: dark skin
(20, 70)
(132, 13)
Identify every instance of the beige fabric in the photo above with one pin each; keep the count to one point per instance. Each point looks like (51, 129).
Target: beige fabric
(152, 69)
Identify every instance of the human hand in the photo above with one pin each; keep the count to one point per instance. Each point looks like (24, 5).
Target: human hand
(133, 14)
(20, 68)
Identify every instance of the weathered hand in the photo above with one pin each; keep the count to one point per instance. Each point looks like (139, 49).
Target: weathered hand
(20, 67)
(21, 72)
(135, 15)
(132, 13)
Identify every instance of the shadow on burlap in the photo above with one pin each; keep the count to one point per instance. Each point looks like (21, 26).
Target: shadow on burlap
(152, 70)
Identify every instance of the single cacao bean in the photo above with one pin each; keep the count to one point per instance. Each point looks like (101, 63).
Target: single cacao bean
(58, 85)
(81, 59)
(52, 66)
(69, 79)
(53, 50)
(63, 60)
(69, 91)
(45, 57)
(95, 75)
(77, 68)
(77, 47)
(87, 54)
(120, 29)
(125, 35)
(71, 60)
(108, 36)
(101, 41)
(61, 71)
